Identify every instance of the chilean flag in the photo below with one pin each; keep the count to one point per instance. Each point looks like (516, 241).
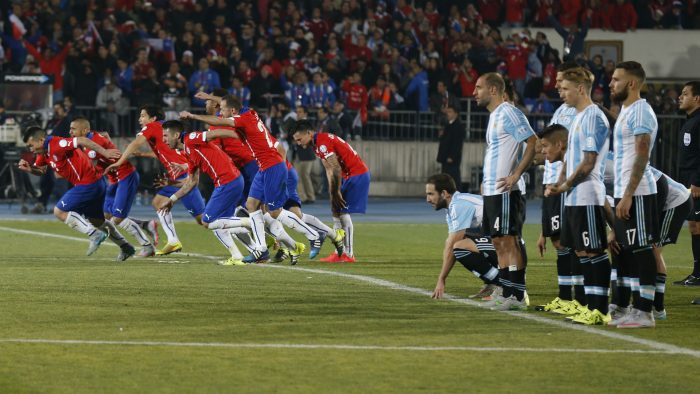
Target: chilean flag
(18, 29)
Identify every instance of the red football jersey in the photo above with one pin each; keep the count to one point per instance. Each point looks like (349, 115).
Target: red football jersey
(258, 138)
(68, 160)
(327, 145)
(154, 135)
(101, 162)
(208, 157)
(235, 148)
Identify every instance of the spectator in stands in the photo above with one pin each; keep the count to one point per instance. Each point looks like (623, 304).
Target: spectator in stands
(51, 64)
(515, 12)
(443, 99)
(296, 93)
(238, 90)
(465, 78)
(451, 139)
(623, 16)
(343, 118)
(107, 98)
(320, 93)
(187, 64)
(105, 61)
(203, 80)
(147, 90)
(59, 124)
(417, 89)
(326, 123)
(380, 99)
(174, 73)
(357, 100)
(573, 37)
(85, 88)
(125, 76)
(676, 18)
(142, 65)
(262, 87)
(174, 98)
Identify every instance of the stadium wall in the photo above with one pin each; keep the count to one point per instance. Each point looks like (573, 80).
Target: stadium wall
(666, 54)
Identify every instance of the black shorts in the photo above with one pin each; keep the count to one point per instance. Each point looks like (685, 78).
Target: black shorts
(661, 193)
(485, 246)
(503, 214)
(694, 214)
(642, 228)
(552, 207)
(584, 228)
(672, 222)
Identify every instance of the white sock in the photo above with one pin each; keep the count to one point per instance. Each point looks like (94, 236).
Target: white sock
(229, 223)
(79, 223)
(337, 223)
(277, 231)
(317, 224)
(292, 221)
(257, 225)
(114, 234)
(135, 230)
(166, 220)
(139, 222)
(224, 236)
(347, 226)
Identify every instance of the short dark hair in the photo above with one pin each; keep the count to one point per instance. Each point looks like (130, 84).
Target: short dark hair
(694, 87)
(633, 68)
(232, 101)
(81, 119)
(175, 126)
(153, 111)
(33, 132)
(568, 65)
(553, 130)
(443, 182)
(219, 92)
(302, 126)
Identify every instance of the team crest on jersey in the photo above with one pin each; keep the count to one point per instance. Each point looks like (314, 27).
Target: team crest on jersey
(323, 148)
(686, 139)
(62, 143)
(193, 135)
(92, 154)
(590, 141)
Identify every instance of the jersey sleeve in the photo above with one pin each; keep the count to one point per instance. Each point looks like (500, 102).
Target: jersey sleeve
(644, 122)
(145, 131)
(40, 161)
(460, 218)
(65, 144)
(518, 126)
(325, 147)
(595, 131)
(196, 138)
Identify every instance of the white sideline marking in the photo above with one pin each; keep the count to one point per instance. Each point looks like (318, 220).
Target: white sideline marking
(605, 332)
(327, 346)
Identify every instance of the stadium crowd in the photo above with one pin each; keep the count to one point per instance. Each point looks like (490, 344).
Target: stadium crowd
(372, 56)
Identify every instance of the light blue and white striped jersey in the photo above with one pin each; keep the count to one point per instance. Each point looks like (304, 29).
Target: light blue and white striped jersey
(564, 115)
(634, 120)
(508, 128)
(677, 193)
(465, 211)
(589, 132)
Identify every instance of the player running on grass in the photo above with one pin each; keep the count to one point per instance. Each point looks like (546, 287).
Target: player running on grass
(86, 197)
(206, 156)
(152, 133)
(465, 242)
(348, 180)
(269, 186)
(122, 185)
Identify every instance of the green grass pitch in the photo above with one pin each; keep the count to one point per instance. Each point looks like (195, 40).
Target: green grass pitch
(183, 324)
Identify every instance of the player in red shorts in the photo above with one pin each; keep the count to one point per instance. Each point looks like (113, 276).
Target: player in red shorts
(348, 178)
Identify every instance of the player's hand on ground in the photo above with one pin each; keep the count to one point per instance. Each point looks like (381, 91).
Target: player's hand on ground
(507, 182)
(622, 209)
(542, 245)
(439, 291)
(113, 154)
(185, 115)
(24, 165)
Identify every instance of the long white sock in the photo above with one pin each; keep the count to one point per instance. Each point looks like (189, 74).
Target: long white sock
(257, 225)
(79, 223)
(347, 226)
(229, 223)
(166, 220)
(245, 239)
(114, 234)
(135, 230)
(292, 221)
(277, 231)
(224, 236)
(316, 224)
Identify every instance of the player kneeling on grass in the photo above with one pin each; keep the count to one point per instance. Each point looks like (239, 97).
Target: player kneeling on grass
(202, 155)
(464, 242)
(86, 197)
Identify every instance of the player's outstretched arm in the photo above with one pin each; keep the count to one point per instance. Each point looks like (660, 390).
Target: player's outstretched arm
(333, 173)
(92, 145)
(213, 134)
(448, 261)
(208, 119)
(130, 149)
(28, 167)
(189, 184)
